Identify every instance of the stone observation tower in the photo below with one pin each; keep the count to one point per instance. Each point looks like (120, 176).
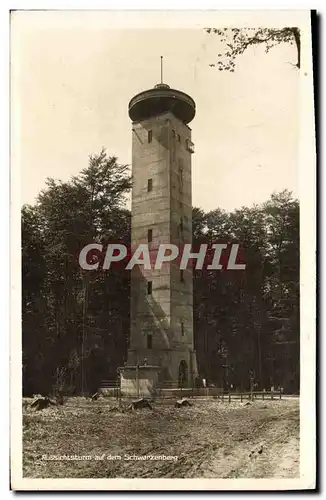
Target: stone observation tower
(161, 352)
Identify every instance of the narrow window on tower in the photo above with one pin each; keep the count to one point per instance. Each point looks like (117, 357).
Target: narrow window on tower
(181, 228)
(179, 138)
(149, 341)
(150, 135)
(181, 174)
(182, 279)
(149, 288)
(182, 329)
(150, 235)
(173, 146)
(149, 185)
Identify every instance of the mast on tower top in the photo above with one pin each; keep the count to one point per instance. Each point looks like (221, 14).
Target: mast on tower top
(161, 69)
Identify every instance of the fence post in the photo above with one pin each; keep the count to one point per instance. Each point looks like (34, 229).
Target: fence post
(272, 396)
(241, 397)
(229, 397)
(280, 393)
(251, 388)
(137, 379)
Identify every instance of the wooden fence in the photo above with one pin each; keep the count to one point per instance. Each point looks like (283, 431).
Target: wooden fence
(112, 389)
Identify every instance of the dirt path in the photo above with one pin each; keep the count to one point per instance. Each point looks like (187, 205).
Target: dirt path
(273, 451)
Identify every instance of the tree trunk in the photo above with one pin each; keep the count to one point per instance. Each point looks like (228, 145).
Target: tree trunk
(296, 34)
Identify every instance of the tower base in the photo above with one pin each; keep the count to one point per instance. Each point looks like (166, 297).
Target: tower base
(139, 381)
(161, 369)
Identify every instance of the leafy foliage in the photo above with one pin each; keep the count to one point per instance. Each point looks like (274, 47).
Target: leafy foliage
(238, 40)
(248, 323)
(74, 320)
(76, 323)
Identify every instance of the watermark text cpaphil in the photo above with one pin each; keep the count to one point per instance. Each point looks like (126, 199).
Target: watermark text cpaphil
(216, 256)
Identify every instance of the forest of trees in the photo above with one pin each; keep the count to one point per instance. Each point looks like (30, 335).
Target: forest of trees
(75, 323)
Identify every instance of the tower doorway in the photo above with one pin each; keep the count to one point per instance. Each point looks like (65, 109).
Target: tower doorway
(183, 374)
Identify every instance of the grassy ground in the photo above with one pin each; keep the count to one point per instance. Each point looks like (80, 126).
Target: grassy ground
(209, 439)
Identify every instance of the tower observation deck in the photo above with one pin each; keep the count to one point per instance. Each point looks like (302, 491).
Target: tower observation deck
(161, 99)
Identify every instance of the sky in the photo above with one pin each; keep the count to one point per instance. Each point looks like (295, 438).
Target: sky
(74, 75)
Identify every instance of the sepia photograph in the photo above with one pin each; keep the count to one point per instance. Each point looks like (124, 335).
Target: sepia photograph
(163, 245)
